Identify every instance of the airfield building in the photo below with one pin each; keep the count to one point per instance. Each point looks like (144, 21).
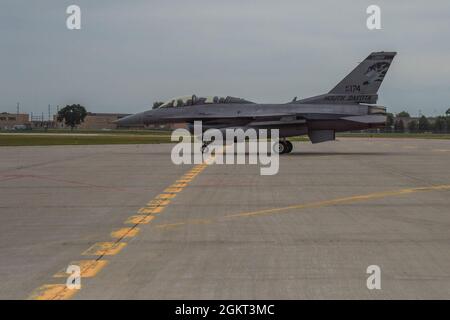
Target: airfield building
(11, 120)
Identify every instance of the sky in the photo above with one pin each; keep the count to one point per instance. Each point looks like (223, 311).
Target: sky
(129, 54)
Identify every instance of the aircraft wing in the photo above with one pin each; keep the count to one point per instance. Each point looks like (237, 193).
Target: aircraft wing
(211, 116)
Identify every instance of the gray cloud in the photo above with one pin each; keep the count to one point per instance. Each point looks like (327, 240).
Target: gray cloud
(129, 54)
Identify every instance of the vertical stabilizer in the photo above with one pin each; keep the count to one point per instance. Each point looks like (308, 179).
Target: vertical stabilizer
(362, 84)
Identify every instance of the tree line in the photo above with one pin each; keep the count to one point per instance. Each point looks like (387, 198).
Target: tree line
(401, 123)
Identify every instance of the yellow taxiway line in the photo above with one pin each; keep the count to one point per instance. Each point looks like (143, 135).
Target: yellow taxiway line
(98, 251)
(317, 204)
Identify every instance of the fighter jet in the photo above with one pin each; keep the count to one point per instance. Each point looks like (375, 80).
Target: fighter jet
(350, 105)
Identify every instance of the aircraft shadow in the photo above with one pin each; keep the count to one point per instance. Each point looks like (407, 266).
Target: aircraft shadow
(338, 153)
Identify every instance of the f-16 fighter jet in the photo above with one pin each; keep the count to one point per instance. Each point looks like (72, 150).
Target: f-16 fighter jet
(350, 105)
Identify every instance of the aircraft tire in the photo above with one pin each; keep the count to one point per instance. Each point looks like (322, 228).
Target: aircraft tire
(280, 147)
(289, 146)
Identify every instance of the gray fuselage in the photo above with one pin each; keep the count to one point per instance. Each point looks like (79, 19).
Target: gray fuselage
(291, 119)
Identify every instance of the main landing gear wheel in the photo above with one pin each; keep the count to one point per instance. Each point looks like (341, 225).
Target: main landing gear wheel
(289, 146)
(283, 146)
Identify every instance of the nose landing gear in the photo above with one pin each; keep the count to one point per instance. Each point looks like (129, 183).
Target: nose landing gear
(205, 145)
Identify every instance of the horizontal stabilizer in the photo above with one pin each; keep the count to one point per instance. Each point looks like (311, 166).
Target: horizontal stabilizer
(374, 118)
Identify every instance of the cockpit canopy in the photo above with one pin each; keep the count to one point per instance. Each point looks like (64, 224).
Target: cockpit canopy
(194, 100)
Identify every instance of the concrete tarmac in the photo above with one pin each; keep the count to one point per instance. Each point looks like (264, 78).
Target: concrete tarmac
(225, 231)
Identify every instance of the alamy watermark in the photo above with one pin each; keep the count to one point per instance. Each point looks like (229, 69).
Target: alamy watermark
(73, 21)
(217, 149)
(73, 281)
(373, 22)
(374, 280)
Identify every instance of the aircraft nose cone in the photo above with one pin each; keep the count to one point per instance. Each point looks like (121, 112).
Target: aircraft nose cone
(131, 120)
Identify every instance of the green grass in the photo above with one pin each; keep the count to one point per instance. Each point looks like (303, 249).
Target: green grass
(87, 131)
(50, 140)
(96, 137)
(299, 138)
(396, 135)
